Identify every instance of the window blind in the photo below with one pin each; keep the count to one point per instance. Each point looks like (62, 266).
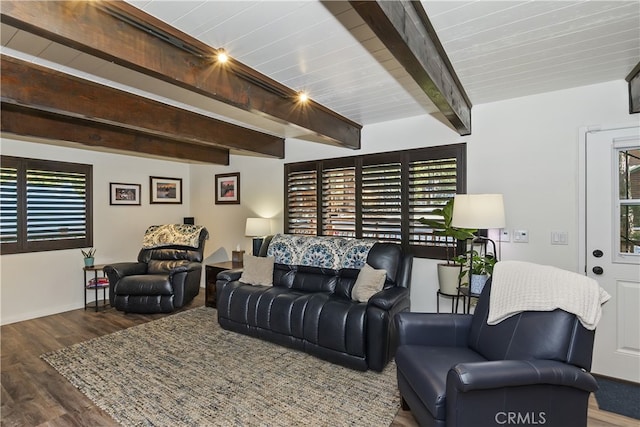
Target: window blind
(382, 201)
(380, 196)
(339, 202)
(431, 184)
(8, 205)
(302, 202)
(56, 205)
(46, 205)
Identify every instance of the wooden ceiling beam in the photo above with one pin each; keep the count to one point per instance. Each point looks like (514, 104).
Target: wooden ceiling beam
(118, 32)
(39, 88)
(405, 29)
(23, 121)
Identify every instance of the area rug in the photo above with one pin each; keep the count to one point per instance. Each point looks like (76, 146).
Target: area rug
(184, 370)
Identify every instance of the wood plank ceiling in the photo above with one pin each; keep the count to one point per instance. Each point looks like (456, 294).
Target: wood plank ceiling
(499, 50)
(118, 32)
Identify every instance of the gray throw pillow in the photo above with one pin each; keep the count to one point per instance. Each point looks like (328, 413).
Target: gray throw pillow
(369, 282)
(257, 270)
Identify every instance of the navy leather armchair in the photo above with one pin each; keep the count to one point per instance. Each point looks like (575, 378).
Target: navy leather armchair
(530, 369)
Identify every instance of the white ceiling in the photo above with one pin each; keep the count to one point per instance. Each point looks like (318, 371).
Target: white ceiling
(499, 49)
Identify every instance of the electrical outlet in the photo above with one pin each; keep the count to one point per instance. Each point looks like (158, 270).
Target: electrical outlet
(521, 236)
(505, 236)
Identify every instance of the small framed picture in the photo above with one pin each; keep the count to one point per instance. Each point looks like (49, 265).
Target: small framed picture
(228, 188)
(124, 194)
(166, 190)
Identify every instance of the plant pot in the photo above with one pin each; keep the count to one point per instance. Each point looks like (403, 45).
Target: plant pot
(88, 262)
(477, 283)
(448, 278)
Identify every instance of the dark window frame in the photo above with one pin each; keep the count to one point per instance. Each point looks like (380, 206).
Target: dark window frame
(22, 244)
(405, 158)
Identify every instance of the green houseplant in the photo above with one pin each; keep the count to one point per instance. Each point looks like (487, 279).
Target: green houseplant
(480, 267)
(448, 273)
(89, 256)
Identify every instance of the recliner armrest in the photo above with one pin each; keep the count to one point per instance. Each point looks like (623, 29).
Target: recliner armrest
(493, 374)
(230, 275)
(122, 269)
(387, 298)
(185, 268)
(433, 329)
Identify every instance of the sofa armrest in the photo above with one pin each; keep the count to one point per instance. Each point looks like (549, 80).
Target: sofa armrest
(466, 377)
(433, 329)
(230, 275)
(119, 270)
(387, 298)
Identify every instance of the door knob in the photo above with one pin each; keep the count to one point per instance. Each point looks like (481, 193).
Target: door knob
(597, 270)
(597, 253)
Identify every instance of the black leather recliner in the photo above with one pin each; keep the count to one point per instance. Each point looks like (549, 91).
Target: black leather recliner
(530, 369)
(162, 280)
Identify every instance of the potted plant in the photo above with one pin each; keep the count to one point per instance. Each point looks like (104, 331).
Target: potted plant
(480, 267)
(88, 256)
(448, 274)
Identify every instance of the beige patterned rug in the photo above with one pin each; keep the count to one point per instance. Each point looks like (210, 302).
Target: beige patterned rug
(184, 370)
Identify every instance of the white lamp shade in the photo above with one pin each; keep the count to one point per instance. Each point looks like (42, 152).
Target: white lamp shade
(257, 227)
(479, 211)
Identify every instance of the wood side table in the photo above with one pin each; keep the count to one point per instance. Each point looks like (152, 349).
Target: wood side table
(211, 272)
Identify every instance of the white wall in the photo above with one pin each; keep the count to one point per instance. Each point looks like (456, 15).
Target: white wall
(261, 195)
(525, 148)
(42, 283)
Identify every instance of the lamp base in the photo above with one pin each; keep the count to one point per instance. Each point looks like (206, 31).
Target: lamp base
(257, 244)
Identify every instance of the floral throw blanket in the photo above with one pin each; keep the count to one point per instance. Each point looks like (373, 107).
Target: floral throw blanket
(320, 251)
(158, 236)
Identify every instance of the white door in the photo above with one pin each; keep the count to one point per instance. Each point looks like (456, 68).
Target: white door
(612, 246)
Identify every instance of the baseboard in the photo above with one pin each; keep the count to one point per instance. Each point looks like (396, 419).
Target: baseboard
(39, 313)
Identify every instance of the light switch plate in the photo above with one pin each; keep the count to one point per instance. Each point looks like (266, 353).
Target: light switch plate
(559, 238)
(505, 235)
(521, 236)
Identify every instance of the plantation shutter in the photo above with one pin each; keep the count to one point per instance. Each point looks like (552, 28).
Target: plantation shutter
(339, 201)
(380, 196)
(302, 202)
(431, 184)
(46, 205)
(8, 204)
(56, 205)
(382, 200)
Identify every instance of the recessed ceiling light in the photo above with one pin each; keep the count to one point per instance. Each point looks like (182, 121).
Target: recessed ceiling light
(303, 97)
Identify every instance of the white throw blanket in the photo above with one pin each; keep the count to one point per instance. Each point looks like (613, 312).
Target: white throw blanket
(519, 286)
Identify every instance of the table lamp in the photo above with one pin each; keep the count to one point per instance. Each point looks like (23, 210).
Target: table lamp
(480, 211)
(257, 228)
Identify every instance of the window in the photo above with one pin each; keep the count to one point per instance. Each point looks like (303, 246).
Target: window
(339, 200)
(628, 200)
(44, 205)
(380, 196)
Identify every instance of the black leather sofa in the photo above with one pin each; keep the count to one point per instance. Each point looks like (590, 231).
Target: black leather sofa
(310, 308)
(530, 369)
(161, 281)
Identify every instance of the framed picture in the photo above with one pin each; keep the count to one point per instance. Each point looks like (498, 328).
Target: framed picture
(166, 190)
(228, 188)
(124, 194)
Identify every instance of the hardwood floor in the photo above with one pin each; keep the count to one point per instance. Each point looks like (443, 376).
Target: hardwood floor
(34, 394)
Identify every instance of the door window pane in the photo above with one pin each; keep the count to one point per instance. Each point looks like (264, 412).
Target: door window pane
(629, 200)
